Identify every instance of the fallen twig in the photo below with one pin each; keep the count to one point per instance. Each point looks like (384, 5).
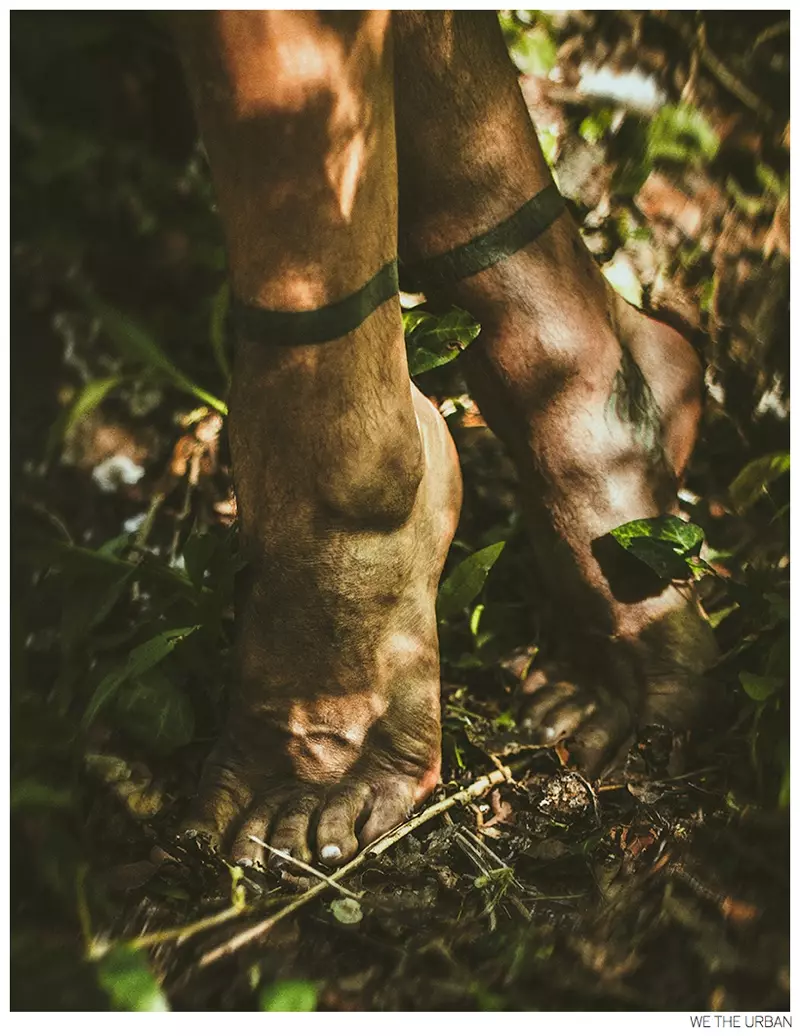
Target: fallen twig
(183, 932)
(306, 867)
(257, 931)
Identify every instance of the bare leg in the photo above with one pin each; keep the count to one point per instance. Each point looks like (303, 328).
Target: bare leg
(346, 478)
(598, 404)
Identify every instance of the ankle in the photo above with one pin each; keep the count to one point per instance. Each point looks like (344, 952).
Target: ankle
(374, 485)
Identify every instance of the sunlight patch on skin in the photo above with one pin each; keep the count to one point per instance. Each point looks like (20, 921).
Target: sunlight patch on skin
(343, 169)
(326, 736)
(308, 62)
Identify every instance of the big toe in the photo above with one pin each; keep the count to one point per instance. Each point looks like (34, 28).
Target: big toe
(357, 813)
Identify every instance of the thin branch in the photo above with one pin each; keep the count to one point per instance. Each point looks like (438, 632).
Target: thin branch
(183, 932)
(258, 931)
(307, 868)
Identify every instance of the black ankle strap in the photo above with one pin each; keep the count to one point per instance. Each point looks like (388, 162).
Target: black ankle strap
(484, 251)
(315, 326)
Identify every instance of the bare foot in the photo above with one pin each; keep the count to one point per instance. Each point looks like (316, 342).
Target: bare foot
(334, 732)
(600, 409)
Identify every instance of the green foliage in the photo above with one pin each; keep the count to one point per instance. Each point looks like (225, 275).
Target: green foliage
(595, 126)
(754, 599)
(678, 133)
(530, 41)
(433, 341)
(466, 581)
(88, 399)
(681, 133)
(759, 688)
(140, 660)
(126, 976)
(137, 345)
(755, 478)
(533, 51)
(667, 544)
(291, 995)
(32, 794)
(154, 712)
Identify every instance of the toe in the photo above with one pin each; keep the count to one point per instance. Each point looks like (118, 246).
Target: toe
(222, 797)
(390, 807)
(602, 738)
(564, 719)
(291, 828)
(336, 831)
(545, 700)
(245, 851)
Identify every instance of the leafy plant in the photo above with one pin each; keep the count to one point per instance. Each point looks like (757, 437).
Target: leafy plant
(667, 544)
(681, 133)
(433, 341)
(126, 976)
(466, 581)
(291, 995)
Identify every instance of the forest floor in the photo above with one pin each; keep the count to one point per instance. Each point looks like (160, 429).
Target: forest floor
(666, 885)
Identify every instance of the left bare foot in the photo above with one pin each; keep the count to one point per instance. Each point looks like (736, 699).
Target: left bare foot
(599, 405)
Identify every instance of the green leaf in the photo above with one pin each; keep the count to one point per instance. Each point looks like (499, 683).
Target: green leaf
(681, 133)
(784, 794)
(433, 341)
(139, 345)
(95, 597)
(347, 911)
(88, 399)
(759, 688)
(140, 660)
(666, 544)
(595, 126)
(412, 318)
(197, 553)
(466, 581)
(155, 712)
(754, 478)
(291, 995)
(778, 607)
(30, 793)
(778, 660)
(126, 976)
(534, 52)
(424, 360)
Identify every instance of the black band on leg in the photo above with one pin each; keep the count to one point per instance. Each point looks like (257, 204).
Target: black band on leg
(315, 326)
(484, 251)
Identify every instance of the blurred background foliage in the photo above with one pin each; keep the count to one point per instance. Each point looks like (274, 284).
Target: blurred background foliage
(668, 134)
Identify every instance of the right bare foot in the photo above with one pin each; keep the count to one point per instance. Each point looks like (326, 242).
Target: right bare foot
(334, 730)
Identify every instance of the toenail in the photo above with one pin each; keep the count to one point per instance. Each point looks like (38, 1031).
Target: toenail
(330, 852)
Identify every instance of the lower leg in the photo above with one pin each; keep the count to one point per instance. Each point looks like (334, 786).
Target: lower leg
(347, 485)
(597, 404)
